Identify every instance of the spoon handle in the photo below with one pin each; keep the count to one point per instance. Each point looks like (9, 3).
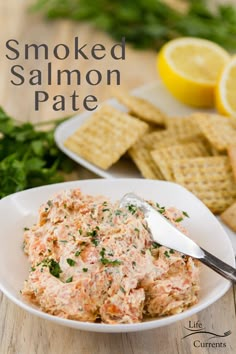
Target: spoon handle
(218, 266)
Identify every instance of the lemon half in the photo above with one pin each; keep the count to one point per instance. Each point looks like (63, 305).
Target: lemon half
(226, 90)
(189, 67)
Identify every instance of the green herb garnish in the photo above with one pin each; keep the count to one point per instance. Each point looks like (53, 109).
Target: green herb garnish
(28, 157)
(92, 233)
(95, 242)
(149, 24)
(69, 280)
(132, 208)
(85, 270)
(77, 253)
(167, 254)
(54, 268)
(156, 244)
(185, 214)
(179, 220)
(106, 261)
(102, 252)
(71, 262)
(122, 289)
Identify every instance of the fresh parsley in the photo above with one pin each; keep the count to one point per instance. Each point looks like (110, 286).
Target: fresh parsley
(179, 220)
(156, 244)
(106, 261)
(71, 262)
(95, 241)
(149, 24)
(102, 252)
(92, 233)
(69, 280)
(160, 209)
(122, 289)
(29, 157)
(132, 208)
(185, 214)
(167, 254)
(54, 267)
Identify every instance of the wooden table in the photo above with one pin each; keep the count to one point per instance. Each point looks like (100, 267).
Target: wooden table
(22, 333)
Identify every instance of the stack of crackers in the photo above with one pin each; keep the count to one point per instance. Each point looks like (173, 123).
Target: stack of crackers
(197, 151)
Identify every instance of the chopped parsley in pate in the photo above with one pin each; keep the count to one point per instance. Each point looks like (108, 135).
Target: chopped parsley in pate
(92, 260)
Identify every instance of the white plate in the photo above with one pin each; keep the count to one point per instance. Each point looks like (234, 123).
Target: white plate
(124, 168)
(19, 210)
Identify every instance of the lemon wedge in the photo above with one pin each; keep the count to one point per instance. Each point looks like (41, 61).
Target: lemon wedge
(189, 67)
(226, 90)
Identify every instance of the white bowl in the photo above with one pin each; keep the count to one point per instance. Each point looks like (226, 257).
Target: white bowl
(20, 210)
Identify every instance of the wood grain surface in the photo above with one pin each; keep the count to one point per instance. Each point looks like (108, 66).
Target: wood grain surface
(20, 332)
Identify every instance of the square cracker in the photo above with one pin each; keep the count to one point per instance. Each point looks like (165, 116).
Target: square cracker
(232, 157)
(229, 217)
(141, 152)
(185, 128)
(220, 131)
(168, 137)
(141, 156)
(163, 157)
(141, 108)
(106, 136)
(159, 139)
(209, 178)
